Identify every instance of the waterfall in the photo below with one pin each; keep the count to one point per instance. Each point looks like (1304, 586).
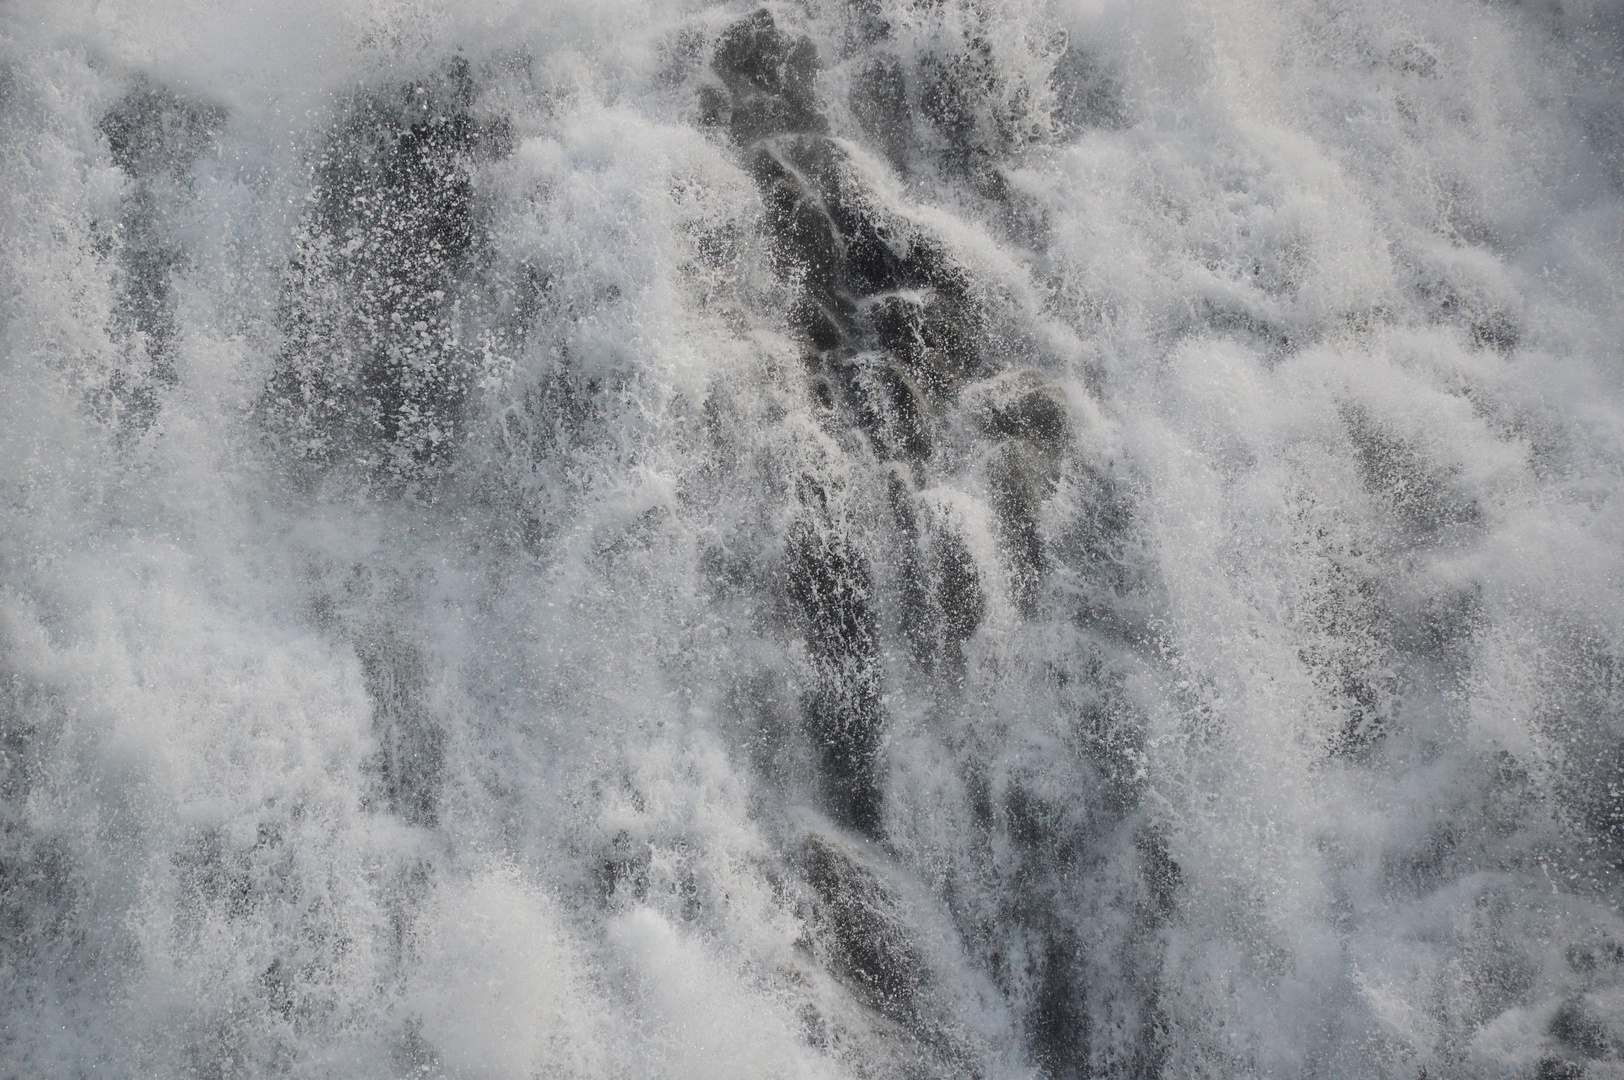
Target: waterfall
(830, 538)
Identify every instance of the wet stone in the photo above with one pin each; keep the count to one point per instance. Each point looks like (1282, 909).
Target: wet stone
(868, 22)
(956, 88)
(862, 932)
(943, 599)
(713, 106)
(868, 286)
(276, 984)
(959, 595)
(152, 132)
(1035, 416)
(1058, 1022)
(769, 75)
(879, 101)
(1592, 957)
(1394, 469)
(1086, 95)
(373, 365)
(1488, 325)
(1413, 59)
(1495, 330)
(804, 237)
(411, 745)
(891, 412)
(38, 891)
(155, 138)
(1021, 481)
(623, 871)
(844, 721)
(1600, 798)
(829, 581)
(1162, 876)
(931, 333)
(413, 1055)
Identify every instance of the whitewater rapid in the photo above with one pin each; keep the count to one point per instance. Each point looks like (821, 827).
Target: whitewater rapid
(545, 538)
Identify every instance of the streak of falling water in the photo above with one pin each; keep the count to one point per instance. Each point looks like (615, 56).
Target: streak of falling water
(876, 539)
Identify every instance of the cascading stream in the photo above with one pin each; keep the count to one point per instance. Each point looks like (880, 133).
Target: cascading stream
(812, 539)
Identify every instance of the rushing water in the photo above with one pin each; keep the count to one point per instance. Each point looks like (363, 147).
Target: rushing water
(588, 538)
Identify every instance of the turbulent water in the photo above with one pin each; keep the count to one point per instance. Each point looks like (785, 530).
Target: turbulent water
(613, 539)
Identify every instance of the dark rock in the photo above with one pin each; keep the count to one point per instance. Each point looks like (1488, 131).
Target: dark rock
(931, 332)
(38, 891)
(1058, 1025)
(152, 132)
(1577, 1030)
(712, 105)
(1087, 96)
(1495, 330)
(1392, 468)
(959, 595)
(879, 101)
(1161, 875)
(861, 931)
(1035, 416)
(770, 76)
(943, 599)
(829, 581)
(372, 366)
(1488, 325)
(1596, 956)
(955, 91)
(411, 745)
(867, 284)
(891, 412)
(1021, 481)
(1413, 59)
(624, 869)
(155, 138)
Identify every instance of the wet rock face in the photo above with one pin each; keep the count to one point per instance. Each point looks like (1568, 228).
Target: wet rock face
(891, 333)
(866, 940)
(879, 100)
(974, 109)
(38, 894)
(155, 137)
(959, 605)
(1058, 1023)
(823, 235)
(870, 284)
(897, 342)
(1020, 482)
(411, 745)
(375, 367)
(769, 76)
(1033, 414)
(830, 582)
(1088, 96)
(152, 133)
(942, 596)
(1392, 469)
(955, 86)
(1075, 943)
